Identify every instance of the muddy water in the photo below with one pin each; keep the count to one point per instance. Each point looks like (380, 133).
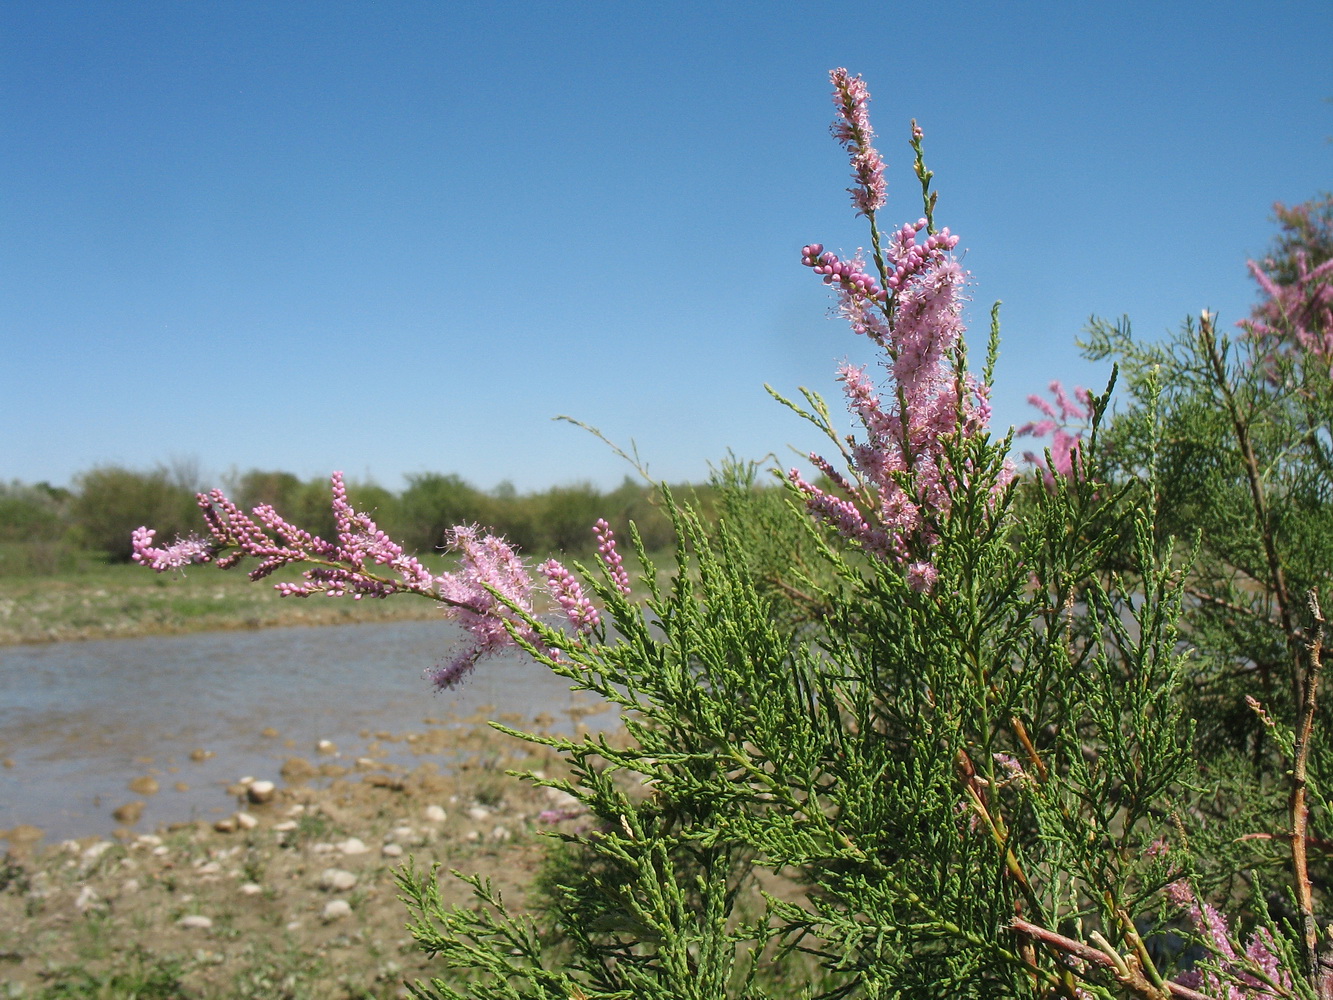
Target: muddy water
(79, 720)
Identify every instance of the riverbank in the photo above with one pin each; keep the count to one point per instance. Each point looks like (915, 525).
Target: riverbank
(290, 894)
(119, 601)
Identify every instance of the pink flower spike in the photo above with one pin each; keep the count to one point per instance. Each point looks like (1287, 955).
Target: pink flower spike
(606, 549)
(181, 553)
(568, 593)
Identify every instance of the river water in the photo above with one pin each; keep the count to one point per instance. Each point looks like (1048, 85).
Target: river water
(79, 719)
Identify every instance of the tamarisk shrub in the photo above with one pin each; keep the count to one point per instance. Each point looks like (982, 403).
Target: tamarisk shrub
(967, 768)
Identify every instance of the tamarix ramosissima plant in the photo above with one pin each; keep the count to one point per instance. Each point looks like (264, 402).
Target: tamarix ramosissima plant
(969, 771)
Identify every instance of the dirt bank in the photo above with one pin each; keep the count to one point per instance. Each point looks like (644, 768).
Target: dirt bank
(290, 896)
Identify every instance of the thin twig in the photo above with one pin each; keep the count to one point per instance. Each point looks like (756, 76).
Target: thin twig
(1300, 817)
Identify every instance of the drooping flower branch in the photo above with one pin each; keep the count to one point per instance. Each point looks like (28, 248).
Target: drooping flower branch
(363, 561)
(490, 594)
(903, 478)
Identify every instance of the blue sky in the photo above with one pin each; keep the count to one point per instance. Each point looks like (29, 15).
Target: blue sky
(400, 237)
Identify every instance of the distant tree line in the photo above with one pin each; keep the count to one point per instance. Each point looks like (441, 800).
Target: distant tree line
(46, 528)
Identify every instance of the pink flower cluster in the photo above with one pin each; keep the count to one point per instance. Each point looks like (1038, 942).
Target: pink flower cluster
(1298, 315)
(181, 553)
(1240, 983)
(1065, 421)
(491, 581)
(848, 275)
(606, 549)
(568, 593)
(903, 483)
(852, 129)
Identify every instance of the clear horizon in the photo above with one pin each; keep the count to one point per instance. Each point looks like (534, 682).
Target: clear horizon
(401, 238)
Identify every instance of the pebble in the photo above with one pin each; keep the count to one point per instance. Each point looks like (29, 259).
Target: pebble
(559, 798)
(200, 754)
(478, 813)
(251, 889)
(129, 813)
(94, 851)
(392, 850)
(336, 909)
(144, 785)
(245, 821)
(225, 825)
(285, 826)
(260, 792)
(209, 868)
(434, 814)
(326, 746)
(86, 899)
(403, 832)
(161, 851)
(148, 840)
(353, 845)
(336, 879)
(195, 921)
(500, 834)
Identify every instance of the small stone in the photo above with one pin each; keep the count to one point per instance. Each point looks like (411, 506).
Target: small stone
(199, 754)
(96, 850)
(245, 821)
(130, 886)
(225, 825)
(403, 832)
(268, 732)
(392, 850)
(322, 848)
(297, 771)
(129, 813)
(260, 792)
(145, 784)
(147, 840)
(251, 889)
(286, 826)
(434, 814)
(326, 746)
(209, 868)
(353, 845)
(472, 835)
(8, 762)
(559, 798)
(336, 879)
(336, 909)
(500, 834)
(195, 922)
(161, 851)
(181, 786)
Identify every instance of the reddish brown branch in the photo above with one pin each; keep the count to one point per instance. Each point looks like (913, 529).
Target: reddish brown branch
(1126, 970)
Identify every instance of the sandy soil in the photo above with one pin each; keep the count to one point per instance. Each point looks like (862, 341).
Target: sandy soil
(290, 896)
